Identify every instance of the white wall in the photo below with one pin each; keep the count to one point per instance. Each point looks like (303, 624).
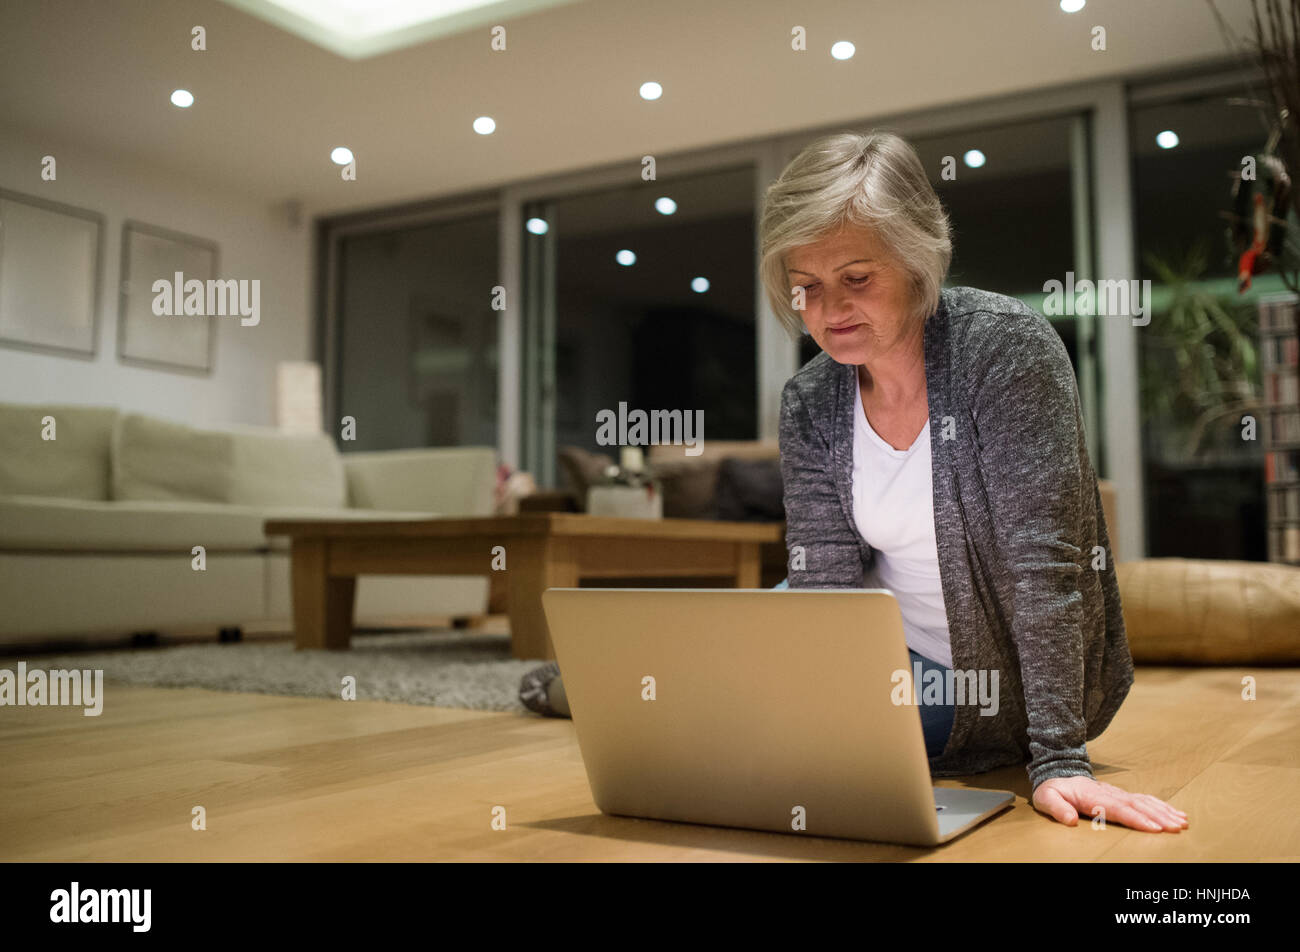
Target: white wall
(255, 241)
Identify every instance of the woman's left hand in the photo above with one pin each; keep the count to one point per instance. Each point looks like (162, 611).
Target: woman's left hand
(1067, 798)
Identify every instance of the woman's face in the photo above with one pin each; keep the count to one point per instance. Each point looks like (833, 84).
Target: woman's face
(857, 300)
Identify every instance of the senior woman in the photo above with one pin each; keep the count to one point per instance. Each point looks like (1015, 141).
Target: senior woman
(936, 448)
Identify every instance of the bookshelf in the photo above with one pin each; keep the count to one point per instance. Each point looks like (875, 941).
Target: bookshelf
(1280, 374)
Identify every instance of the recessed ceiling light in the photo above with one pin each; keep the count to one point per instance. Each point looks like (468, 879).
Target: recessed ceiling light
(625, 258)
(341, 156)
(843, 50)
(485, 125)
(974, 158)
(1072, 6)
(699, 285)
(1167, 139)
(651, 90)
(537, 226)
(183, 98)
(665, 205)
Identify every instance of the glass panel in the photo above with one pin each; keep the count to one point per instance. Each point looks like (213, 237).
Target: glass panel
(418, 336)
(1198, 356)
(674, 330)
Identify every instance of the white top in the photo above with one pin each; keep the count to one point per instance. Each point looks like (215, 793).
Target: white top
(893, 505)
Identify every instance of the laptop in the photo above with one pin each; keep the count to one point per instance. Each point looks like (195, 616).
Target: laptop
(753, 708)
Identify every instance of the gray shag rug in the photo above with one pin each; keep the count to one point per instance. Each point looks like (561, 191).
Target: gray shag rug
(438, 668)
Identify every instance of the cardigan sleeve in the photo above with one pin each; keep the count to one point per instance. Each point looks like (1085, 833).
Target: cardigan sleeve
(822, 547)
(1028, 429)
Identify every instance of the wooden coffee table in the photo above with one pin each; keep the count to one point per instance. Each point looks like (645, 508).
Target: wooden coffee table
(542, 550)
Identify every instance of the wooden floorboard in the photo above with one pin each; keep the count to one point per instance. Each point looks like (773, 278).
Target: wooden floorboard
(305, 779)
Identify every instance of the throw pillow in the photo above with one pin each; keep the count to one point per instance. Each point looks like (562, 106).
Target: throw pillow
(750, 490)
(689, 487)
(581, 468)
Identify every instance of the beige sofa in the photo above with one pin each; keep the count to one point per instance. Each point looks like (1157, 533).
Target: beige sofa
(98, 525)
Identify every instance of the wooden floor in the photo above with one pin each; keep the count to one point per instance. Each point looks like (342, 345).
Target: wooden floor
(303, 779)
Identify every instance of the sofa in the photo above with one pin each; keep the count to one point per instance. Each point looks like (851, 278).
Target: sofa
(1176, 611)
(737, 480)
(101, 512)
(731, 480)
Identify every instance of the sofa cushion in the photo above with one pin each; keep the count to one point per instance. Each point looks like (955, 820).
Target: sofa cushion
(1209, 611)
(458, 480)
(690, 483)
(37, 523)
(160, 460)
(249, 466)
(271, 468)
(73, 465)
(690, 487)
(582, 469)
(750, 490)
(74, 525)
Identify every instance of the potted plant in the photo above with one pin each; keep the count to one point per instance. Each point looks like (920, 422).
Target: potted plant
(1207, 345)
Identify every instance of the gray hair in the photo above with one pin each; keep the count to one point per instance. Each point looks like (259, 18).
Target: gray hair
(873, 181)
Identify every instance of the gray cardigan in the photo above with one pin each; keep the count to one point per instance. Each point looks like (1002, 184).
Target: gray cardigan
(1017, 515)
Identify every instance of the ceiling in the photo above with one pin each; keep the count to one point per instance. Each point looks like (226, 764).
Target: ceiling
(269, 105)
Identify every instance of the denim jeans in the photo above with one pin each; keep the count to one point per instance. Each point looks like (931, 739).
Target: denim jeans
(936, 719)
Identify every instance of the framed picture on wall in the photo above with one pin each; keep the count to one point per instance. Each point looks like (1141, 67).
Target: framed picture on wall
(51, 258)
(173, 339)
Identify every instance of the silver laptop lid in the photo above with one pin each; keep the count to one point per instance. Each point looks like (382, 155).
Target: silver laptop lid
(761, 709)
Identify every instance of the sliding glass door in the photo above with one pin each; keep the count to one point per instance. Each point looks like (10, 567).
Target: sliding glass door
(416, 334)
(641, 295)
